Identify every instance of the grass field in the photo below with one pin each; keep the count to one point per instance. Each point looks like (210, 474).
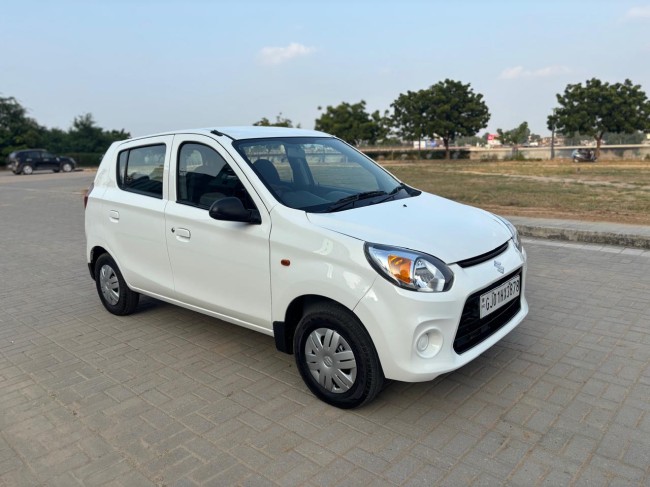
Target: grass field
(616, 191)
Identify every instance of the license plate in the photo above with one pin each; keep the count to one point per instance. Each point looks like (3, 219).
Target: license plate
(499, 296)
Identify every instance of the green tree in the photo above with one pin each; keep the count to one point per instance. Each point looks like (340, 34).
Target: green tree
(17, 130)
(56, 140)
(353, 124)
(410, 115)
(597, 107)
(515, 136)
(448, 109)
(280, 121)
(85, 136)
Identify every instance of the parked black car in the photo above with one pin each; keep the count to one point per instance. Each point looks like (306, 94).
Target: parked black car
(29, 160)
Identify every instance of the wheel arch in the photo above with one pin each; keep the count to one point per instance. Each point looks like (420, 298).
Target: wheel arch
(95, 253)
(284, 331)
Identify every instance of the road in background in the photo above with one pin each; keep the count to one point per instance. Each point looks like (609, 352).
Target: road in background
(168, 395)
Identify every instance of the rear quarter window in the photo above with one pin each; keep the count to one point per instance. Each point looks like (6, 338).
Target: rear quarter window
(140, 170)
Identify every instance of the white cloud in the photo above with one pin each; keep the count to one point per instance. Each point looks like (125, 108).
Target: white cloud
(636, 13)
(277, 55)
(521, 72)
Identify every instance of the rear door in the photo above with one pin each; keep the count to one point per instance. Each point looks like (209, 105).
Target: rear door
(217, 265)
(134, 208)
(31, 158)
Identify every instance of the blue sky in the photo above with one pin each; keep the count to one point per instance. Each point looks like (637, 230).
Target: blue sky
(149, 66)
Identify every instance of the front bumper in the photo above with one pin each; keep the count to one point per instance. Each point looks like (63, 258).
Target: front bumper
(397, 318)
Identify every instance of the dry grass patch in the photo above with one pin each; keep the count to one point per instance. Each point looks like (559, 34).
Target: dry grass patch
(605, 191)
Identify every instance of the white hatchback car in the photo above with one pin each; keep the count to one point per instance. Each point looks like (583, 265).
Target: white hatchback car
(295, 234)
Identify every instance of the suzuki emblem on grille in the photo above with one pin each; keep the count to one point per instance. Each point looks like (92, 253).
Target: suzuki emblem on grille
(499, 267)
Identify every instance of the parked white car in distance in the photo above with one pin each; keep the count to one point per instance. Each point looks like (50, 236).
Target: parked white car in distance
(295, 234)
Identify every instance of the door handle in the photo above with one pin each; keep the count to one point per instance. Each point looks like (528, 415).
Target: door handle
(114, 216)
(182, 233)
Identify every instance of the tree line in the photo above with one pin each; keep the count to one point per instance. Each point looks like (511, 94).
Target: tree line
(451, 111)
(84, 140)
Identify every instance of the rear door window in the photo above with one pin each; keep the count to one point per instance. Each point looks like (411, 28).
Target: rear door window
(140, 170)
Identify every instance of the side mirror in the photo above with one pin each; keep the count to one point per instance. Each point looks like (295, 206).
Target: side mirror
(231, 209)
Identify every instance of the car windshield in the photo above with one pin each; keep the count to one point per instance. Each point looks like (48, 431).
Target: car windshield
(319, 174)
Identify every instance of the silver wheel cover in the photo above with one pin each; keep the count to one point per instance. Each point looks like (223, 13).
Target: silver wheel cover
(109, 284)
(67, 167)
(330, 360)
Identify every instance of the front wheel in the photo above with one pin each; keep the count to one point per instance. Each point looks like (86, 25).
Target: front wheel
(336, 357)
(113, 292)
(27, 169)
(66, 167)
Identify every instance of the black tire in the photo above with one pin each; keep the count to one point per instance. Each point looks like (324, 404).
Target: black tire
(66, 167)
(337, 329)
(27, 169)
(112, 289)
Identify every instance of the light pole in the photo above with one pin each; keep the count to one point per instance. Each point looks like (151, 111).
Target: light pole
(553, 143)
(553, 122)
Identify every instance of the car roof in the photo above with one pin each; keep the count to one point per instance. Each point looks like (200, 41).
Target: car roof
(247, 132)
(254, 132)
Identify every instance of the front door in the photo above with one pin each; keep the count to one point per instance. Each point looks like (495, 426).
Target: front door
(48, 161)
(219, 266)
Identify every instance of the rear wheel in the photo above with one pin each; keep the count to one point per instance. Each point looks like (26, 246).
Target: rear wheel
(336, 357)
(27, 169)
(113, 292)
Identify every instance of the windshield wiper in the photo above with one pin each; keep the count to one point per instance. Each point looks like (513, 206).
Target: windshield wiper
(349, 200)
(398, 188)
(394, 193)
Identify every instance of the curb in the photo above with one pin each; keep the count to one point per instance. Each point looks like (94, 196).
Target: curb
(585, 236)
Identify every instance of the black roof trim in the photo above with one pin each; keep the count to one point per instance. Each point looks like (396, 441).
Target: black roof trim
(221, 134)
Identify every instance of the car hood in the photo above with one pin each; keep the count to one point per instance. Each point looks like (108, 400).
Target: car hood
(437, 226)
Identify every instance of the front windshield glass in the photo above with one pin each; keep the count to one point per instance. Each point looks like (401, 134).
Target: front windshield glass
(319, 174)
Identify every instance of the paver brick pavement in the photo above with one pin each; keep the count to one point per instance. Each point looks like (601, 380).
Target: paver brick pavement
(171, 397)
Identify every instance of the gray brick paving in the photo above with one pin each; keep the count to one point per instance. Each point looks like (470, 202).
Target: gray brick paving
(170, 397)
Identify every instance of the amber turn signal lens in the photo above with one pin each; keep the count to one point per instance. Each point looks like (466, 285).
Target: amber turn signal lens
(400, 267)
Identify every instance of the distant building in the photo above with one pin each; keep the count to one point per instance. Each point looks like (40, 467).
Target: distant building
(546, 141)
(493, 140)
(425, 144)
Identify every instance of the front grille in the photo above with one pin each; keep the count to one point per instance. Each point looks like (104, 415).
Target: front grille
(472, 330)
(479, 259)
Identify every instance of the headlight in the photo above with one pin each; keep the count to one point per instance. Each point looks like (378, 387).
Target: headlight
(513, 231)
(409, 269)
